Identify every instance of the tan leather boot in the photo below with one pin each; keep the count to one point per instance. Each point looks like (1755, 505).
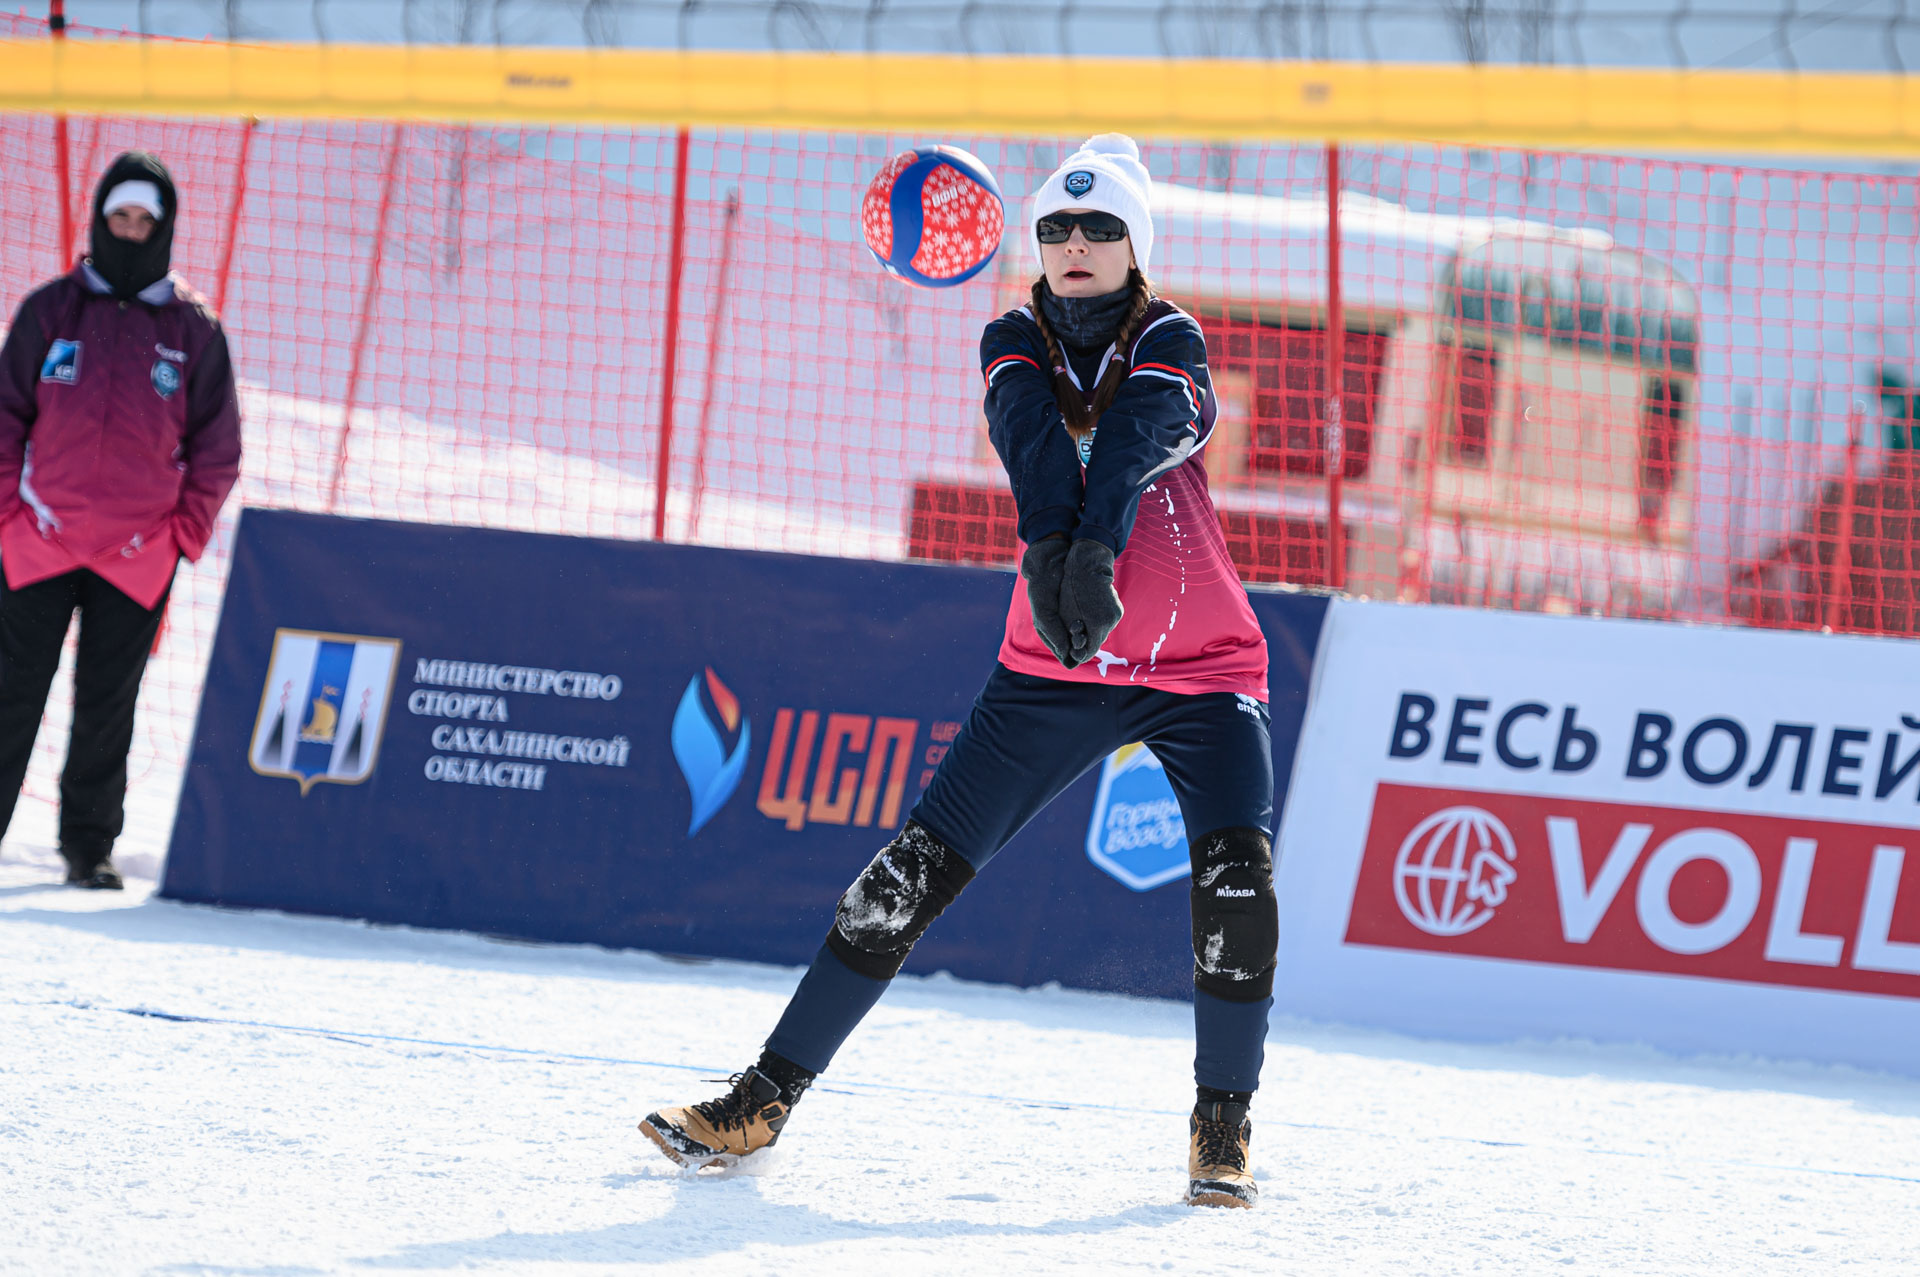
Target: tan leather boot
(720, 1132)
(1219, 1170)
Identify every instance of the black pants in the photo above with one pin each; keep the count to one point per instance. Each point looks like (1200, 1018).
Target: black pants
(116, 637)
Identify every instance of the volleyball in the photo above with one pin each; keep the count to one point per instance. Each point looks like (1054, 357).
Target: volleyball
(933, 216)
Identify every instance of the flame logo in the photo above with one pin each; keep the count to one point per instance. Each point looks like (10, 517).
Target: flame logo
(712, 774)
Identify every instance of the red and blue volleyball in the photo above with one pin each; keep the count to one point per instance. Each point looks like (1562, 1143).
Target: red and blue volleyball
(933, 216)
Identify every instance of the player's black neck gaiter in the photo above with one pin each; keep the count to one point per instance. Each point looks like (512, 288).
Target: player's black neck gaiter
(1086, 323)
(126, 266)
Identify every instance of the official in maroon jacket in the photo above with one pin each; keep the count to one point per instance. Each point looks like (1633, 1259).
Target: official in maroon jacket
(119, 440)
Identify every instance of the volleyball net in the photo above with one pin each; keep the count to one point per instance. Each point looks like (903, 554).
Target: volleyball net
(1512, 362)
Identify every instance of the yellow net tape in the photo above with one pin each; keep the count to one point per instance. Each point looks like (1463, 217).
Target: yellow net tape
(1728, 111)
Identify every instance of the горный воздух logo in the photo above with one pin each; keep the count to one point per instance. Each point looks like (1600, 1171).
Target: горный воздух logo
(1136, 834)
(700, 748)
(1453, 871)
(324, 707)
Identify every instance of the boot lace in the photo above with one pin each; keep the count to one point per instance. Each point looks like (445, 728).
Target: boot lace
(1219, 1143)
(732, 1111)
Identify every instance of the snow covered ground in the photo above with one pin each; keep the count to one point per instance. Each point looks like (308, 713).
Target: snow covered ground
(194, 1091)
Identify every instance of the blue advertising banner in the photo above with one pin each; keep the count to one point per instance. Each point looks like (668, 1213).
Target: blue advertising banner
(674, 748)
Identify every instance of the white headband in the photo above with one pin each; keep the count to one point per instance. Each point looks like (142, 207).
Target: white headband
(137, 195)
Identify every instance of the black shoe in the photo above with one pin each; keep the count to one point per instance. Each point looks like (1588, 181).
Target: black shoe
(100, 877)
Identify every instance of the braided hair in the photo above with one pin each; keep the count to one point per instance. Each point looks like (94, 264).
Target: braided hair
(1081, 412)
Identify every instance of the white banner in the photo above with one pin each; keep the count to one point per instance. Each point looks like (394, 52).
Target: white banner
(1516, 826)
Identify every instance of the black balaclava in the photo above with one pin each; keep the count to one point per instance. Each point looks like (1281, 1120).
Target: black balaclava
(128, 267)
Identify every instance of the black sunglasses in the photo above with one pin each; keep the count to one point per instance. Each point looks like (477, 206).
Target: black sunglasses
(1099, 228)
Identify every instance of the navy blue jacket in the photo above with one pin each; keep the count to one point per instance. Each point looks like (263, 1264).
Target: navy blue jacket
(1162, 413)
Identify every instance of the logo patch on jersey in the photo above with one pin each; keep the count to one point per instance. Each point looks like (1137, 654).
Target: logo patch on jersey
(1079, 182)
(166, 378)
(62, 365)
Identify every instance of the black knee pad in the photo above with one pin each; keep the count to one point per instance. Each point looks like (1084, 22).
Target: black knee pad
(1236, 920)
(894, 900)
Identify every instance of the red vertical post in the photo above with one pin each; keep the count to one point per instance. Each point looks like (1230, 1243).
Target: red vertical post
(676, 261)
(715, 335)
(1336, 380)
(82, 219)
(366, 319)
(63, 174)
(233, 217)
(1840, 579)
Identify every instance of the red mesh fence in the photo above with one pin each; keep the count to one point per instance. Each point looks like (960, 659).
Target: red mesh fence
(1631, 387)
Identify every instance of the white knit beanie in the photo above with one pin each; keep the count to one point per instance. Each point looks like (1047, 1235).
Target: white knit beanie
(136, 195)
(1104, 174)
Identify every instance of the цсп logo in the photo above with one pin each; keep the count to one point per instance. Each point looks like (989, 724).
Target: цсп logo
(1453, 871)
(698, 746)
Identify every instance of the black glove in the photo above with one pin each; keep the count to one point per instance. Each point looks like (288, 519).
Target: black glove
(1089, 605)
(1042, 566)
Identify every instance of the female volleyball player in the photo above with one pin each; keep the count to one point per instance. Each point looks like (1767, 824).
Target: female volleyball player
(1132, 626)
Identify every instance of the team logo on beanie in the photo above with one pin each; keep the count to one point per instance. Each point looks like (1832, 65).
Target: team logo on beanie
(166, 378)
(1079, 182)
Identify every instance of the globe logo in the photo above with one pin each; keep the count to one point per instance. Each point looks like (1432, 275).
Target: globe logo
(1453, 871)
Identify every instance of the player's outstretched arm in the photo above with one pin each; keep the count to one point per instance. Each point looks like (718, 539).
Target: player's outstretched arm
(1027, 430)
(1160, 417)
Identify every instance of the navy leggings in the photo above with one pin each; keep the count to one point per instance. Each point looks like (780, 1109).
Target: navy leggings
(1027, 739)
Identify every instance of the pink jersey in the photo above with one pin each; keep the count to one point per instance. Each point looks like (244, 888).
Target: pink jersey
(1138, 487)
(1188, 627)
